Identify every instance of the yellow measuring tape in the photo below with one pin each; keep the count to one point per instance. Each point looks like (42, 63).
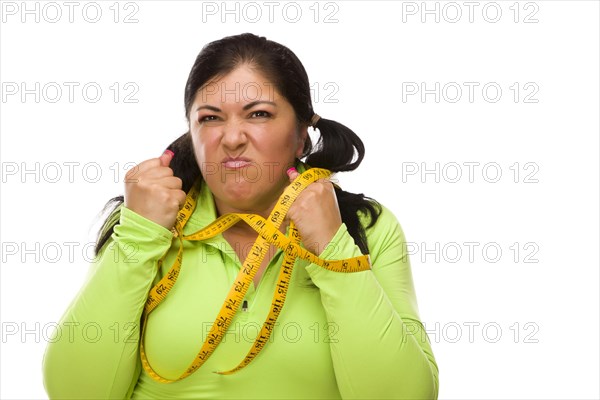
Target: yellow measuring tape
(268, 232)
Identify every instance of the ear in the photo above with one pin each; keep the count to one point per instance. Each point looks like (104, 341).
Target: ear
(302, 135)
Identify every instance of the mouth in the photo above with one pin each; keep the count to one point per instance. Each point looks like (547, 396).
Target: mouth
(235, 163)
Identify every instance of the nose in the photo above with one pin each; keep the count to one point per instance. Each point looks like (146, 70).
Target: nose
(233, 135)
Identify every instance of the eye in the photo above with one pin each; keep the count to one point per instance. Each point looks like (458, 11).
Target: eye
(207, 118)
(260, 114)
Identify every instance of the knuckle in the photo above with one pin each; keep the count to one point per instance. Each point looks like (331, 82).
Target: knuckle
(175, 204)
(162, 195)
(131, 172)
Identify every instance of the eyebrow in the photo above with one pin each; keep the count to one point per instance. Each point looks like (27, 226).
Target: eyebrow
(246, 107)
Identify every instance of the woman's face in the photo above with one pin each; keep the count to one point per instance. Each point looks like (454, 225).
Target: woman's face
(245, 137)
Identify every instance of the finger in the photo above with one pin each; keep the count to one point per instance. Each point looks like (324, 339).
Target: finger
(153, 163)
(333, 182)
(144, 166)
(137, 175)
(166, 158)
(292, 173)
(324, 181)
(181, 196)
(171, 182)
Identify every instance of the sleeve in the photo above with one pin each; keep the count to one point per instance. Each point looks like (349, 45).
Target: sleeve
(94, 352)
(381, 349)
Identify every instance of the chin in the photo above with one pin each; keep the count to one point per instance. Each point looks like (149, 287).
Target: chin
(245, 195)
(241, 195)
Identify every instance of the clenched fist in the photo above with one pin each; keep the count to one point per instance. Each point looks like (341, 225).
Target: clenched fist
(152, 191)
(315, 213)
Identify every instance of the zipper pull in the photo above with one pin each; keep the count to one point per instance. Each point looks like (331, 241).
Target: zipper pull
(245, 306)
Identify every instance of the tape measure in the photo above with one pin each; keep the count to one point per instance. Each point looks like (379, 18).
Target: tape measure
(268, 233)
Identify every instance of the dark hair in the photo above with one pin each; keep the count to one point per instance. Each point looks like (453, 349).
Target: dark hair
(335, 149)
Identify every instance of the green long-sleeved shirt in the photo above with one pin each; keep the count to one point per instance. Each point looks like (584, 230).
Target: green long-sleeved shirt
(345, 335)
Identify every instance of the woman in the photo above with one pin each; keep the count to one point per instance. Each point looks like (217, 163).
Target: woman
(340, 335)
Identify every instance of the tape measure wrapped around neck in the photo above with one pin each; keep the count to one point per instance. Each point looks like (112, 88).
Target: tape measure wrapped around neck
(268, 233)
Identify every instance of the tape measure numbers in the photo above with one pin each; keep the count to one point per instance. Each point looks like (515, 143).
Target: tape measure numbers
(268, 233)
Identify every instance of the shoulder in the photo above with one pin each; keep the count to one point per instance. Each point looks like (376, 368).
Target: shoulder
(385, 232)
(385, 220)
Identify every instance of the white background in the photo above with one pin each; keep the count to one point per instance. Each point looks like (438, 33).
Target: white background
(533, 308)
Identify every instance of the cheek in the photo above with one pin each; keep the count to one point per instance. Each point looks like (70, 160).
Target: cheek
(197, 147)
(202, 147)
(202, 154)
(283, 145)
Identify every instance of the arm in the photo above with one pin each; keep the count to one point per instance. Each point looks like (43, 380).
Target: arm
(382, 350)
(100, 358)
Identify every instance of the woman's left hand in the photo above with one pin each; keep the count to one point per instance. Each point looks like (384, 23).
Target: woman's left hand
(315, 213)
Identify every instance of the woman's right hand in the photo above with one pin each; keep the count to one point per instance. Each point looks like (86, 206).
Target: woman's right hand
(152, 191)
